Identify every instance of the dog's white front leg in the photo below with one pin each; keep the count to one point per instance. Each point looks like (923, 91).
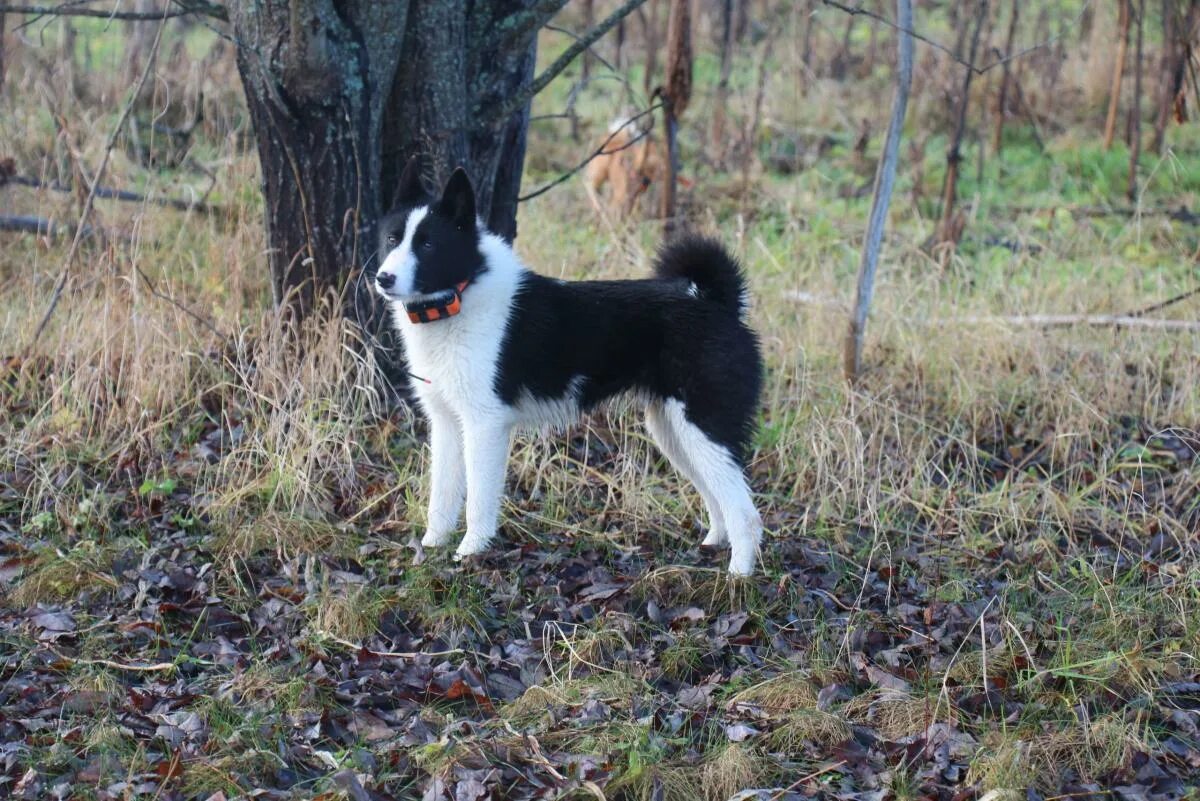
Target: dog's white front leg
(487, 460)
(448, 482)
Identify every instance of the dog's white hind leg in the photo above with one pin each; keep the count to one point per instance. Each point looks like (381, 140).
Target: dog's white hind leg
(448, 482)
(716, 468)
(486, 451)
(665, 438)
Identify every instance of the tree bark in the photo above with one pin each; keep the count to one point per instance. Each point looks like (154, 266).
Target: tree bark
(348, 93)
(885, 177)
(1114, 93)
(316, 103)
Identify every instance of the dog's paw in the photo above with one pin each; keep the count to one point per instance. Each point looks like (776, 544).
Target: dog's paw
(742, 561)
(717, 538)
(471, 546)
(435, 539)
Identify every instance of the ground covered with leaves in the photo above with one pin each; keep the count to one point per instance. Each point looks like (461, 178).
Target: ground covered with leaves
(291, 658)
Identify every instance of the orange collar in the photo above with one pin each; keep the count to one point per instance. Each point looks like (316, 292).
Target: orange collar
(445, 304)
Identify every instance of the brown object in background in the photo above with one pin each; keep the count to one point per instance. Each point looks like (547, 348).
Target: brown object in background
(1114, 93)
(675, 96)
(628, 167)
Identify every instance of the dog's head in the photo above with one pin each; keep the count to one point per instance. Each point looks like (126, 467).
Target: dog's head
(426, 245)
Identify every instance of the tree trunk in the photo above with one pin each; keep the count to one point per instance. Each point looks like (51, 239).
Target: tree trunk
(946, 231)
(717, 136)
(1135, 113)
(676, 95)
(837, 69)
(650, 40)
(741, 20)
(806, 47)
(1174, 63)
(885, 177)
(619, 48)
(1114, 93)
(1002, 99)
(868, 66)
(317, 108)
(349, 93)
(589, 18)
(138, 38)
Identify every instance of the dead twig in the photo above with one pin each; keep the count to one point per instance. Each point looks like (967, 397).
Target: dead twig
(582, 43)
(154, 290)
(400, 654)
(133, 668)
(936, 45)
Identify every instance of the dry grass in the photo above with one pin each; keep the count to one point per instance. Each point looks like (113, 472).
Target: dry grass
(1013, 761)
(282, 447)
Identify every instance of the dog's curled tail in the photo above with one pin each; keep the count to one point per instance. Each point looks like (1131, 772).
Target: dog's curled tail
(709, 266)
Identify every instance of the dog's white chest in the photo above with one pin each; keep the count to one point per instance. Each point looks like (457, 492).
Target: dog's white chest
(456, 359)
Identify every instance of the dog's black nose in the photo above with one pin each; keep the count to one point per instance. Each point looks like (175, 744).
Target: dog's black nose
(385, 280)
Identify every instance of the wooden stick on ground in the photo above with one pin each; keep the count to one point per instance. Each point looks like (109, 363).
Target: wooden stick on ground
(1069, 320)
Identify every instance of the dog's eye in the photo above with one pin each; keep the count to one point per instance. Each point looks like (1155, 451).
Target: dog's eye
(427, 244)
(392, 241)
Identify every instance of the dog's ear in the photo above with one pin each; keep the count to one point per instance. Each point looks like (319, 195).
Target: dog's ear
(410, 191)
(458, 200)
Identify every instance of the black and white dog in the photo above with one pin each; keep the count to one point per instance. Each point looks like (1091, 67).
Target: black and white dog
(498, 346)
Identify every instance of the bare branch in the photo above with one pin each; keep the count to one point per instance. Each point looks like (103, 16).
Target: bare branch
(204, 321)
(581, 44)
(857, 10)
(591, 49)
(185, 8)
